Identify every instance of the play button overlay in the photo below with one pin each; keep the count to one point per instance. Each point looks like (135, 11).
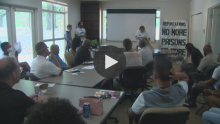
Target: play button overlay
(109, 61)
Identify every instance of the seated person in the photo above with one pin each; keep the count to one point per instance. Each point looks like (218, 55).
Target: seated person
(6, 48)
(54, 111)
(208, 61)
(42, 67)
(132, 58)
(164, 95)
(212, 116)
(76, 43)
(213, 99)
(55, 49)
(146, 53)
(83, 54)
(14, 103)
(196, 57)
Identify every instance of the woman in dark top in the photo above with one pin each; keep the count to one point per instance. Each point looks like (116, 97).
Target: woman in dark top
(76, 43)
(196, 57)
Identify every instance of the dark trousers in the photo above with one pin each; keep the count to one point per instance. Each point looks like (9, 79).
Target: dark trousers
(194, 77)
(67, 47)
(197, 90)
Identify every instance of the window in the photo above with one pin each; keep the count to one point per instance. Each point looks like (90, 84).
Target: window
(53, 22)
(3, 28)
(104, 24)
(157, 36)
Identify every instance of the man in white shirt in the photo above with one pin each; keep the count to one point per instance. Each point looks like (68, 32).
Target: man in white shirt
(42, 67)
(140, 34)
(80, 32)
(212, 84)
(164, 95)
(146, 53)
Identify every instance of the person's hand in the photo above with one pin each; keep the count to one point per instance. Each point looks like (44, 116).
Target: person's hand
(16, 54)
(201, 82)
(32, 96)
(208, 91)
(40, 98)
(136, 37)
(68, 66)
(172, 74)
(52, 56)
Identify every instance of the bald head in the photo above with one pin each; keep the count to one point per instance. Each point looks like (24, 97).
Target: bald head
(54, 48)
(87, 44)
(8, 65)
(207, 49)
(143, 43)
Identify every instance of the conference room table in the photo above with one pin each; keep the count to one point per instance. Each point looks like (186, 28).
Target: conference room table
(73, 94)
(90, 78)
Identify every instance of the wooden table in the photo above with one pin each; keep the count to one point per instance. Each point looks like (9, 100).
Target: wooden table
(73, 94)
(89, 79)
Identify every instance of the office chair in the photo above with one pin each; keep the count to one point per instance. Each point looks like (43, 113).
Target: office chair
(133, 77)
(69, 57)
(175, 115)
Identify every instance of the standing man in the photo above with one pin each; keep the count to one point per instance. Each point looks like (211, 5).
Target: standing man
(81, 32)
(68, 37)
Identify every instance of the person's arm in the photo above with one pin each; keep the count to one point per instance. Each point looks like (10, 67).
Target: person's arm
(149, 39)
(208, 82)
(212, 92)
(16, 56)
(137, 107)
(55, 60)
(40, 98)
(178, 76)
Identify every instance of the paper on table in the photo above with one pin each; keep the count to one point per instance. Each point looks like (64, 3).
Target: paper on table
(109, 91)
(77, 73)
(88, 67)
(17, 47)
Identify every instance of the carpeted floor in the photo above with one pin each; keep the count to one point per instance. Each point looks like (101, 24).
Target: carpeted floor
(121, 110)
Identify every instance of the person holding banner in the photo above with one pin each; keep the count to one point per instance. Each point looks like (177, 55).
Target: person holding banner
(140, 34)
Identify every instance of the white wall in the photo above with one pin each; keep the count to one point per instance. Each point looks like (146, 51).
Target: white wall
(73, 12)
(169, 10)
(198, 6)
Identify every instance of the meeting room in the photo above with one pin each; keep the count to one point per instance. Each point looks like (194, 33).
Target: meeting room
(109, 61)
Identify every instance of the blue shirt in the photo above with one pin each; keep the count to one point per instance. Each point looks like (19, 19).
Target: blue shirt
(68, 36)
(62, 64)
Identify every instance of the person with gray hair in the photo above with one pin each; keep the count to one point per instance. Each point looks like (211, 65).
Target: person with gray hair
(42, 67)
(146, 52)
(14, 103)
(83, 53)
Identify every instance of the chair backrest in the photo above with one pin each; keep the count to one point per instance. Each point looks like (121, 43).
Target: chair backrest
(175, 115)
(150, 67)
(32, 76)
(134, 75)
(210, 71)
(70, 58)
(107, 84)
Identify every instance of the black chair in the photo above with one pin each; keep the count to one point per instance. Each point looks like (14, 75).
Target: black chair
(108, 85)
(207, 77)
(176, 115)
(32, 76)
(133, 77)
(150, 69)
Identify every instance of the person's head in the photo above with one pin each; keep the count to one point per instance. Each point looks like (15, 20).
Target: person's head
(69, 27)
(207, 49)
(189, 47)
(41, 49)
(142, 29)
(143, 43)
(162, 69)
(76, 43)
(87, 44)
(127, 44)
(80, 24)
(6, 47)
(9, 71)
(54, 48)
(218, 59)
(54, 111)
